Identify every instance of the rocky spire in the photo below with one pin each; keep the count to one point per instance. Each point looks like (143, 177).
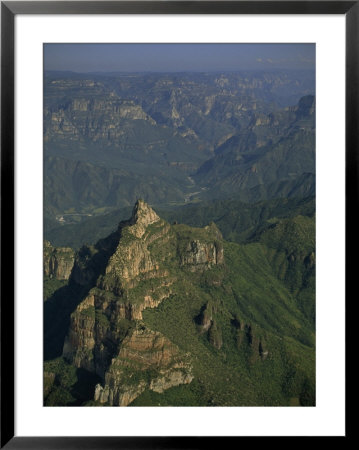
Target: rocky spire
(142, 216)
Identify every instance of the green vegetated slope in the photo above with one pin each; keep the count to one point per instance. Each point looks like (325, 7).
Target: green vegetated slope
(263, 289)
(237, 220)
(65, 385)
(84, 187)
(247, 324)
(290, 247)
(275, 149)
(238, 373)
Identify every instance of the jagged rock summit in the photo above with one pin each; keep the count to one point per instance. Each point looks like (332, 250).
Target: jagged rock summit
(138, 266)
(142, 216)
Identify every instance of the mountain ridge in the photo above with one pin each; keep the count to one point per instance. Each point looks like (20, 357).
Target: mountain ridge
(147, 270)
(103, 133)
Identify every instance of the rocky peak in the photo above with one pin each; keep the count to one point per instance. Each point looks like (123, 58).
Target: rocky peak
(142, 216)
(137, 267)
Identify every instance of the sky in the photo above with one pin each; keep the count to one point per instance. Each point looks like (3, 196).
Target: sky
(177, 57)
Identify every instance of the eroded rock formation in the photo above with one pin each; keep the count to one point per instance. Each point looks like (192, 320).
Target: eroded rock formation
(58, 261)
(135, 268)
(146, 359)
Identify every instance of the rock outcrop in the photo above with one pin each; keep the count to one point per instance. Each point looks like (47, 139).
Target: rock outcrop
(215, 336)
(209, 325)
(197, 254)
(96, 117)
(58, 261)
(136, 267)
(146, 360)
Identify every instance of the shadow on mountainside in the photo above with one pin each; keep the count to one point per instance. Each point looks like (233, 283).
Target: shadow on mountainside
(57, 312)
(90, 262)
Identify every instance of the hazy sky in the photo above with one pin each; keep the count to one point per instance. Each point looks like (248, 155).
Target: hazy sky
(177, 57)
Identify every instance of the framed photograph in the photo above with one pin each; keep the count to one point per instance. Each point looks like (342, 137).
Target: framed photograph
(174, 183)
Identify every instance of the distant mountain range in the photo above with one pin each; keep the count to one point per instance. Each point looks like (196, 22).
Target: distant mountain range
(175, 138)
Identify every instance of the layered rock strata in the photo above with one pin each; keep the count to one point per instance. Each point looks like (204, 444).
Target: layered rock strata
(58, 261)
(137, 267)
(146, 359)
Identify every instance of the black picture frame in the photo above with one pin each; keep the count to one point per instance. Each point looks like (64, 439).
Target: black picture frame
(9, 9)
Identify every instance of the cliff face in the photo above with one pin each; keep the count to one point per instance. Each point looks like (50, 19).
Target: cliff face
(98, 107)
(146, 360)
(100, 116)
(58, 261)
(198, 255)
(136, 267)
